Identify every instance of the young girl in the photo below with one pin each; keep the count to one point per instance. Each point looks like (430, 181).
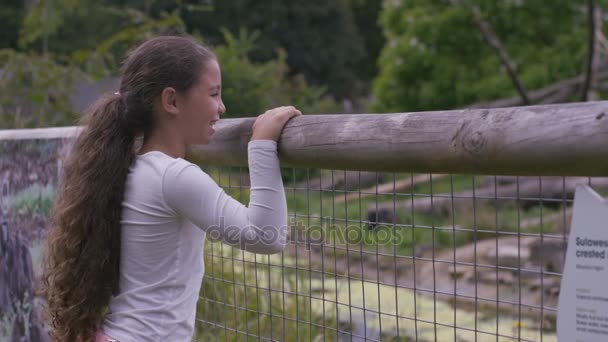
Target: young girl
(124, 259)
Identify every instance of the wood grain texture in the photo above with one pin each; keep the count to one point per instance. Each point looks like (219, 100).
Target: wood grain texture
(563, 139)
(560, 139)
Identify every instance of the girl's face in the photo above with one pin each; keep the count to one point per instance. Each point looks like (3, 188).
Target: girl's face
(202, 106)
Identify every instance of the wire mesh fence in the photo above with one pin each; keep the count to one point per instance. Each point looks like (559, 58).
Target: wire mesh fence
(397, 257)
(371, 255)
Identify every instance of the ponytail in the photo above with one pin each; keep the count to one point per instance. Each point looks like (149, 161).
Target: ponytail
(83, 255)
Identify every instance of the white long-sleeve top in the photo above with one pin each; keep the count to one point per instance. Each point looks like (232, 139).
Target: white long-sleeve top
(169, 206)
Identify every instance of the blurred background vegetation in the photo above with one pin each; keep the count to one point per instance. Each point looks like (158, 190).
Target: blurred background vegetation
(338, 56)
(341, 56)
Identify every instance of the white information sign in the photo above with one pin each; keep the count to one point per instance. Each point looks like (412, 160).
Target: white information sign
(582, 314)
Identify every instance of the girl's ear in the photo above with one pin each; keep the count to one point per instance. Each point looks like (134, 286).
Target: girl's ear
(168, 101)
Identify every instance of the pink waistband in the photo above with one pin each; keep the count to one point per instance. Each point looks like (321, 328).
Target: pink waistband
(102, 337)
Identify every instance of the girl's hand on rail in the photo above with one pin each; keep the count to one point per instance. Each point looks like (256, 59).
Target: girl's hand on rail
(268, 126)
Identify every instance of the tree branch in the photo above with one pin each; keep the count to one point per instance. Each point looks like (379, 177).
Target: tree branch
(495, 43)
(592, 43)
(571, 85)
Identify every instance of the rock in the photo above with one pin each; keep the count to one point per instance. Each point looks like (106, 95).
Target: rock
(508, 256)
(550, 253)
(550, 285)
(490, 276)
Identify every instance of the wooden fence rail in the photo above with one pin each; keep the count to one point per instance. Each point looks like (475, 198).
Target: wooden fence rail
(560, 139)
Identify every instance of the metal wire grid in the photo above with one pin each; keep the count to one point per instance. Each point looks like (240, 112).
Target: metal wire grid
(332, 289)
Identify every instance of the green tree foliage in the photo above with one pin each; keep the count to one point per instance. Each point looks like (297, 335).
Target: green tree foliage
(11, 14)
(56, 54)
(36, 91)
(39, 83)
(436, 57)
(366, 19)
(320, 37)
(73, 29)
(249, 88)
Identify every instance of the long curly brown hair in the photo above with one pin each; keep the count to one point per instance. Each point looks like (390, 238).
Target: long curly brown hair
(82, 259)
